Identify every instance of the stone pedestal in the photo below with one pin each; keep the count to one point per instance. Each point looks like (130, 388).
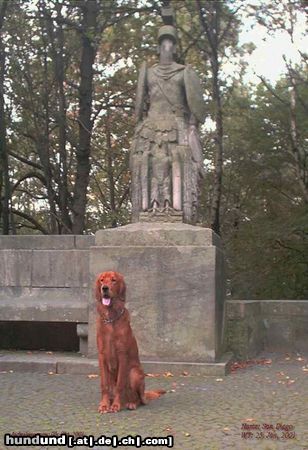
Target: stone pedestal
(175, 288)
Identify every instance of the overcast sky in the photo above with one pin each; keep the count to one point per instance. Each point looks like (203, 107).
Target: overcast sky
(267, 58)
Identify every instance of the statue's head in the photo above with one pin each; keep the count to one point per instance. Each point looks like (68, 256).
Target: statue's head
(167, 38)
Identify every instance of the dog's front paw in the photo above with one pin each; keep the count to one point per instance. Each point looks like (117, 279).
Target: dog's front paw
(103, 407)
(115, 407)
(131, 405)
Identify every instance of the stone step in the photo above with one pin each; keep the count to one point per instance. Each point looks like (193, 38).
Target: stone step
(74, 363)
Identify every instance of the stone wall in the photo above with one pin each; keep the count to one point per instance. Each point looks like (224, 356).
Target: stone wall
(44, 278)
(273, 325)
(175, 288)
(47, 279)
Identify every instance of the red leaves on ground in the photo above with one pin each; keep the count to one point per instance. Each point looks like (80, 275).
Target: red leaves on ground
(249, 363)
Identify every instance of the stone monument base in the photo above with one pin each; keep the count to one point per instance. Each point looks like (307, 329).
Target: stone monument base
(175, 288)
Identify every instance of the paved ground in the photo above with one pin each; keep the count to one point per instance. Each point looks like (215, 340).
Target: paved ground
(200, 412)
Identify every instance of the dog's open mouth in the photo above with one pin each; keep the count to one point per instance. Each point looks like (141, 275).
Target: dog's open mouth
(106, 301)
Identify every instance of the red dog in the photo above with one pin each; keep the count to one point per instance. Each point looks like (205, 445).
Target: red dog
(122, 378)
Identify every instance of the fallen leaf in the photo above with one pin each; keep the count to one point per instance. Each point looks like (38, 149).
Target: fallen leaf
(92, 375)
(249, 420)
(186, 434)
(171, 390)
(219, 379)
(250, 362)
(287, 358)
(226, 429)
(51, 373)
(300, 358)
(49, 353)
(152, 375)
(266, 361)
(168, 374)
(185, 374)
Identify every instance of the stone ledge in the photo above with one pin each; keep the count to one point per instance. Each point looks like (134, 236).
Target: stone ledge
(42, 313)
(238, 309)
(26, 362)
(50, 242)
(40, 362)
(161, 216)
(44, 304)
(157, 234)
(287, 308)
(84, 242)
(32, 242)
(44, 267)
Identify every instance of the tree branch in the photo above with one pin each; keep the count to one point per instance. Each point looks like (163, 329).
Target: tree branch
(25, 160)
(30, 219)
(29, 175)
(272, 91)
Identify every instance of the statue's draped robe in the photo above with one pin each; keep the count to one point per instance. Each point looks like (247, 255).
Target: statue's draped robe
(166, 155)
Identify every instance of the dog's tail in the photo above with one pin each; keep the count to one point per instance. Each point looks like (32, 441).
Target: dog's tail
(152, 395)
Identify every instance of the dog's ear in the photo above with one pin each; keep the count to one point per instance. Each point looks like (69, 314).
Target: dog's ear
(98, 289)
(122, 288)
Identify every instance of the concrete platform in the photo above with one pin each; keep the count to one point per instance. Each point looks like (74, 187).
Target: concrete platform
(74, 363)
(201, 413)
(174, 274)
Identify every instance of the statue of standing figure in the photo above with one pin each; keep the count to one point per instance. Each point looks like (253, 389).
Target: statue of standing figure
(166, 158)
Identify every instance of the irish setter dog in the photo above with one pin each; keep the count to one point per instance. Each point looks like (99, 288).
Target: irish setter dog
(122, 377)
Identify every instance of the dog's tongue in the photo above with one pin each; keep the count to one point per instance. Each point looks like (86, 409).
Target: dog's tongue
(106, 301)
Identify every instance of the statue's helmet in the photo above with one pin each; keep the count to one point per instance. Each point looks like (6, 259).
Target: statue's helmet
(167, 31)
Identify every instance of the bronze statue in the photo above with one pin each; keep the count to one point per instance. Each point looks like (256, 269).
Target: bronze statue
(166, 156)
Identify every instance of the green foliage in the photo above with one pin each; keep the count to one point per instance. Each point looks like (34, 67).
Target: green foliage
(265, 224)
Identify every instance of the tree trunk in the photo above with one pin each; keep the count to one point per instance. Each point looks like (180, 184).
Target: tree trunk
(88, 53)
(217, 188)
(110, 171)
(56, 39)
(4, 166)
(44, 144)
(210, 18)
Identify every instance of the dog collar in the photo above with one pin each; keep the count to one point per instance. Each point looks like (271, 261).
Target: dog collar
(115, 318)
